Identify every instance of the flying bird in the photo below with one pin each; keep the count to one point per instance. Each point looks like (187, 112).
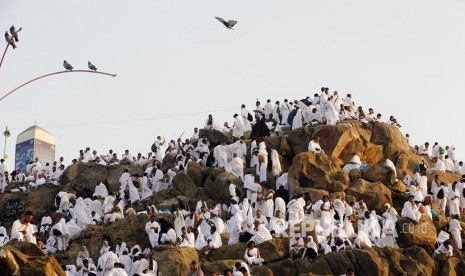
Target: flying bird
(91, 66)
(67, 66)
(14, 32)
(9, 40)
(229, 24)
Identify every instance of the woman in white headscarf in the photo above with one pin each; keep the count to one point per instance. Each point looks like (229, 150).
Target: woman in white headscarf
(311, 250)
(455, 228)
(349, 216)
(82, 213)
(83, 254)
(276, 168)
(326, 209)
(339, 208)
(363, 241)
(179, 222)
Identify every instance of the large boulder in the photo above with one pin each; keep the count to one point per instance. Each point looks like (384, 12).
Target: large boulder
(89, 176)
(310, 170)
(115, 172)
(363, 262)
(215, 137)
(131, 228)
(24, 258)
(375, 195)
(298, 140)
(184, 184)
(13, 205)
(218, 266)
(168, 161)
(390, 137)
(195, 173)
(217, 188)
(422, 233)
(376, 173)
(401, 263)
(228, 252)
(272, 250)
(82, 178)
(175, 261)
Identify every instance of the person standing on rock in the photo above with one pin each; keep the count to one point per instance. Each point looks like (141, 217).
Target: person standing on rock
(152, 228)
(23, 229)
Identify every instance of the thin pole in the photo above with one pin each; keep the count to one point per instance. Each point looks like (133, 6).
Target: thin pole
(4, 149)
(51, 74)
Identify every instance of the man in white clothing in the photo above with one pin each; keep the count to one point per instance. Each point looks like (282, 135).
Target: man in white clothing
(238, 128)
(152, 229)
(220, 153)
(23, 230)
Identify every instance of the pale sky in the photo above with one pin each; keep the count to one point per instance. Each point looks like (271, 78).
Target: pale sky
(176, 64)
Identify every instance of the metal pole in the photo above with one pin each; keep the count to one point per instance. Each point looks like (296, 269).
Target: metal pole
(4, 150)
(54, 73)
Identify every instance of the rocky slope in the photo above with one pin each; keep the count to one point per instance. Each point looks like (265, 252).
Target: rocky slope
(314, 174)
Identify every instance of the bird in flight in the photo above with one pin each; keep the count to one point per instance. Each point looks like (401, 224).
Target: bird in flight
(14, 32)
(229, 24)
(9, 40)
(91, 66)
(67, 66)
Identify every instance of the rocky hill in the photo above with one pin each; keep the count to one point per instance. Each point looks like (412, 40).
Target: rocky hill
(316, 175)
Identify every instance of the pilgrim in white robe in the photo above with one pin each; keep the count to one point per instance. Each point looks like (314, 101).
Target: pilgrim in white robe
(252, 188)
(62, 240)
(331, 114)
(363, 241)
(279, 205)
(251, 256)
(134, 195)
(285, 110)
(83, 215)
(236, 167)
(295, 211)
(410, 210)
(455, 229)
(238, 128)
(278, 225)
(152, 229)
(268, 204)
(101, 191)
(45, 224)
(220, 153)
(261, 171)
(18, 227)
(454, 201)
(235, 227)
(276, 168)
(298, 119)
(261, 234)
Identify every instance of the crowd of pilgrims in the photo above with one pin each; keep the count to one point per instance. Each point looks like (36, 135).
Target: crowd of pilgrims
(253, 215)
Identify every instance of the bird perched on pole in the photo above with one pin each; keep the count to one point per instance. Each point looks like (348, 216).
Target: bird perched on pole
(229, 24)
(14, 32)
(9, 40)
(67, 66)
(91, 66)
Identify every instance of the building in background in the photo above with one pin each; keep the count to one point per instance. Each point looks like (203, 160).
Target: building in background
(34, 142)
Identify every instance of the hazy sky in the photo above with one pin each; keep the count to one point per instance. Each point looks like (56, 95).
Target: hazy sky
(176, 64)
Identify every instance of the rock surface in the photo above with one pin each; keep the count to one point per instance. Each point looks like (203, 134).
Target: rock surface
(22, 258)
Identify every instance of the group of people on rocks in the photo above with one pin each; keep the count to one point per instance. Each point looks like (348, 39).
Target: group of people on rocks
(252, 215)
